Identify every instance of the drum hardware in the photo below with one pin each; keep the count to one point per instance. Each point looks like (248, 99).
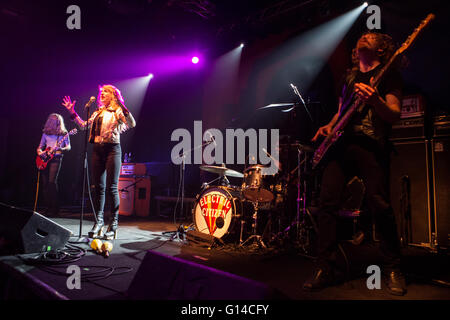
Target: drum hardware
(257, 239)
(256, 185)
(303, 231)
(217, 211)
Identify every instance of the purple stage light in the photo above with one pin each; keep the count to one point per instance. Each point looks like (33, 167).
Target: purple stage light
(195, 60)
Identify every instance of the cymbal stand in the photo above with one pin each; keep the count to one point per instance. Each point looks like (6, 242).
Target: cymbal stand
(256, 238)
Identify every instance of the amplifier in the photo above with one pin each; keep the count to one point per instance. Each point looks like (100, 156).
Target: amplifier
(410, 189)
(441, 126)
(134, 193)
(130, 169)
(409, 128)
(412, 106)
(441, 174)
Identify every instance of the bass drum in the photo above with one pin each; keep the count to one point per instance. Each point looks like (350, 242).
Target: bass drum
(217, 211)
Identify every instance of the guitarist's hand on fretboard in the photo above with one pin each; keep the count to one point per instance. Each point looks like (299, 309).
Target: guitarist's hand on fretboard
(322, 132)
(367, 93)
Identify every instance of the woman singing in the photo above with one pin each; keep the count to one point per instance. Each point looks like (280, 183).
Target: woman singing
(54, 133)
(106, 124)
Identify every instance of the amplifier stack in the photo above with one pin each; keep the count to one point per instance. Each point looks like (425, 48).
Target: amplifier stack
(420, 185)
(134, 190)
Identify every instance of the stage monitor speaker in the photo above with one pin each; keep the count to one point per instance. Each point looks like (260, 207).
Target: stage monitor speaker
(410, 191)
(441, 178)
(162, 277)
(26, 231)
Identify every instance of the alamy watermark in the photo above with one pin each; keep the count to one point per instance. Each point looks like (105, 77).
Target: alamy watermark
(208, 147)
(374, 280)
(74, 280)
(74, 20)
(374, 21)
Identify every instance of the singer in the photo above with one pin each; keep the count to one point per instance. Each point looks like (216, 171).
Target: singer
(106, 124)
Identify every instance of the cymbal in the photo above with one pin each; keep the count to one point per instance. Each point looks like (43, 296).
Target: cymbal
(277, 105)
(223, 171)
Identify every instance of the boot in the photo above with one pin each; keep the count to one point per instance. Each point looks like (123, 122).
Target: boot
(97, 229)
(111, 233)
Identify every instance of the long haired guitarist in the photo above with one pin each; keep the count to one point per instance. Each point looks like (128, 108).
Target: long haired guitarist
(362, 151)
(53, 134)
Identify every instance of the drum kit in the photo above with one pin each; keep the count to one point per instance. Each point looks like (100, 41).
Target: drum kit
(274, 205)
(261, 201)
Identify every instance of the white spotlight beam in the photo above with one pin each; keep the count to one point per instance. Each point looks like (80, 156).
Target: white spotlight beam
(311, 50)
(133, 91)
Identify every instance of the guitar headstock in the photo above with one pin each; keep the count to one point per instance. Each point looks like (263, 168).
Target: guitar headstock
(413, 36)
(73, 131)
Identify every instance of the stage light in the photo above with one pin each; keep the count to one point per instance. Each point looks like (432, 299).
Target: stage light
(302, 58)
(195, 60)
(365, 4)
(134, 91)
(242, 45)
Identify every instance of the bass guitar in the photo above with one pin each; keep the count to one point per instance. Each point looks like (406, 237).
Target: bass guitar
(357, 105)
(49, 153)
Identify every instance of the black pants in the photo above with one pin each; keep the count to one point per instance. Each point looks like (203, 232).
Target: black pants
(50, 184)
(361, 157)
(106, 163)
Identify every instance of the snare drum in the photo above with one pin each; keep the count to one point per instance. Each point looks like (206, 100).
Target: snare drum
(256, 186)
(216, 211)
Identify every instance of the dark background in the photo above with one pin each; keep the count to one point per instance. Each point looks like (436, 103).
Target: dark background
(42, 61)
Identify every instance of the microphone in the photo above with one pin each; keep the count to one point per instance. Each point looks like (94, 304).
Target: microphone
(91, 101)
(211, 138)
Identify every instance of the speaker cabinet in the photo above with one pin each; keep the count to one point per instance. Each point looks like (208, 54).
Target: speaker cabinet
(162, 277)
(441, 176)
(410, 191)
(126, 194)
(142, 196)
(134, 193)
(26, 231)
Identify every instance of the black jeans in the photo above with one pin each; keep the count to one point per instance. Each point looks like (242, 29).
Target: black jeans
(106, 163)
(50, 184)
(362, 157)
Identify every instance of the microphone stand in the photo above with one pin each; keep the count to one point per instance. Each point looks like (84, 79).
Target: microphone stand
(303, 101)
(82, 239)
(183, 167)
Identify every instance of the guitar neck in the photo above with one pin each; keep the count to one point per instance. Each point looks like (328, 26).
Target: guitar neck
(358, 104)
(59, 143)
(377, 79)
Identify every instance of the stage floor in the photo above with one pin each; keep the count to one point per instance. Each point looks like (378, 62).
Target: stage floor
(283, 270)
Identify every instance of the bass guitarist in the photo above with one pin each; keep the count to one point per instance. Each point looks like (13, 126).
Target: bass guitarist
(362, 151)
(54, 131)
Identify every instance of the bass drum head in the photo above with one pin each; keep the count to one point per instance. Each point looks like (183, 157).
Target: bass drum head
(216, 211)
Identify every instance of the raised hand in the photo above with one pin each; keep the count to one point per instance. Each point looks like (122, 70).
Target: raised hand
(68, 104)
